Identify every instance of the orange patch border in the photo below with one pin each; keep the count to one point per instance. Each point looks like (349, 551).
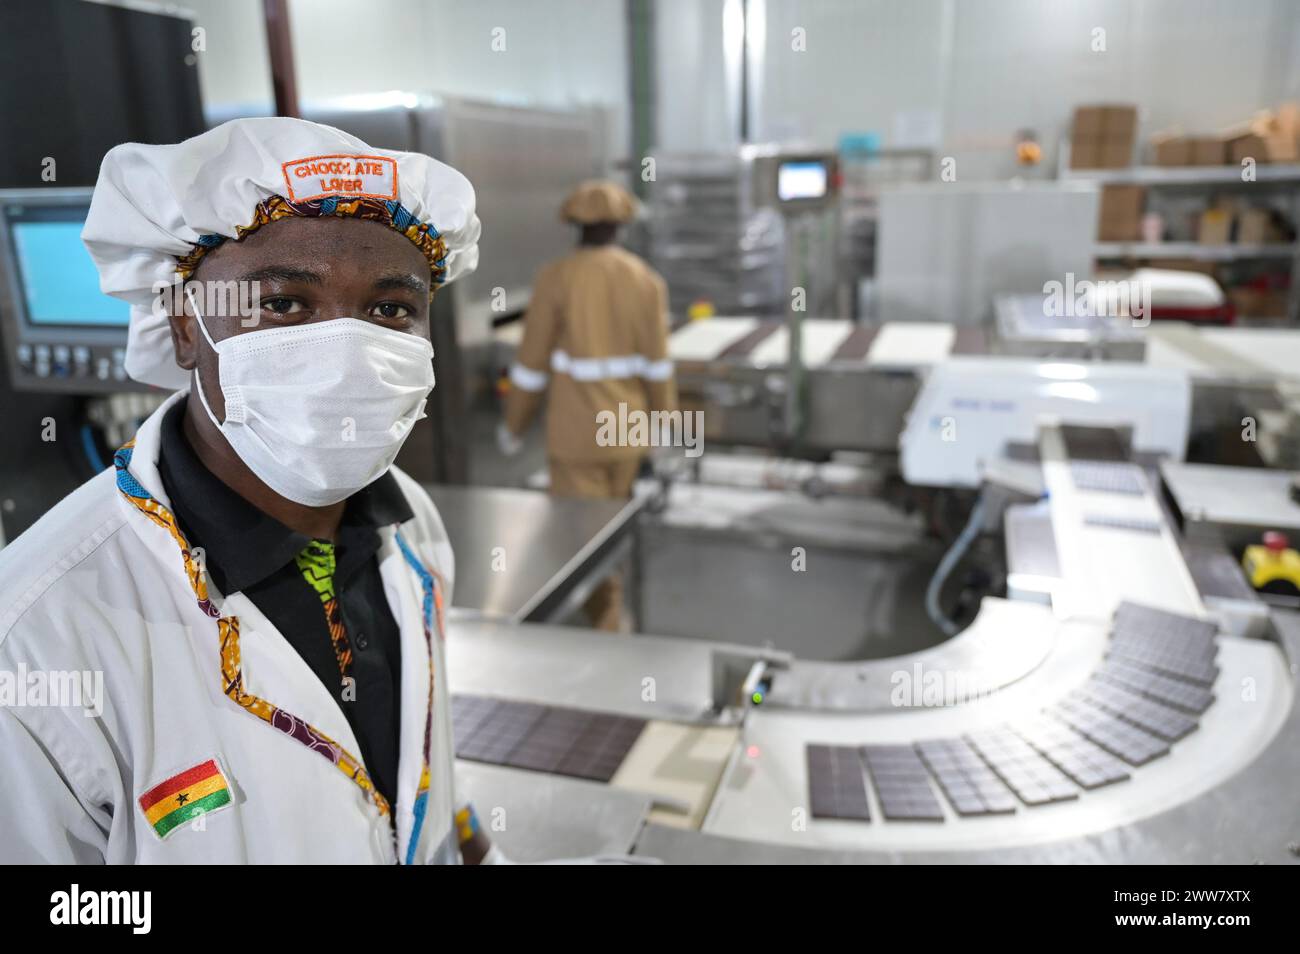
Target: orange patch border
(288, 181)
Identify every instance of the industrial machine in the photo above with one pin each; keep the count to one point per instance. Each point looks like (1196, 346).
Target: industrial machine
(70, 403)
(1117, 715)
(64, 398)
(972, 409)
(713, 228)
(60, 332)
(1110, 686)
(953, 593)
(858, 380)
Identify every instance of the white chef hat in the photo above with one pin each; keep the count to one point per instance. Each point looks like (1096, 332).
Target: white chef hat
(157, 209)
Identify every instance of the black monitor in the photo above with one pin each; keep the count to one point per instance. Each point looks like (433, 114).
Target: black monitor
(79, 77)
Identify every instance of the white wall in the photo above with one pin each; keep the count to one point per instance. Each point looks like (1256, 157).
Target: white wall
(692, 86)
(557, 53)
(983, 69)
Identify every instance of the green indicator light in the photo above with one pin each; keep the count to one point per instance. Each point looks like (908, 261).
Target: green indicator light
(758, 698)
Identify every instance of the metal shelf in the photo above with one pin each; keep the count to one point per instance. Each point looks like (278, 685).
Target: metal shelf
(1186, 175)
(1207, 253)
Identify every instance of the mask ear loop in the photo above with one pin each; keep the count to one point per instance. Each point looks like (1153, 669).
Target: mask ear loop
(198, 380)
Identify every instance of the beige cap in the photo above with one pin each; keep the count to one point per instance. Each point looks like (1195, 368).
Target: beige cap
(598, 201)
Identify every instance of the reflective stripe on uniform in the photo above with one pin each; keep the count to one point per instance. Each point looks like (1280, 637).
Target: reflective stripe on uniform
(611, 367)
(658, 370)
(526, 379)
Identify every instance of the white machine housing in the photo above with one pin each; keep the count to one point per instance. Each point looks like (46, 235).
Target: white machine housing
(970, 409)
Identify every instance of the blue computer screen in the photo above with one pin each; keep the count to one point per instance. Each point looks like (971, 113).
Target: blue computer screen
(59, 282)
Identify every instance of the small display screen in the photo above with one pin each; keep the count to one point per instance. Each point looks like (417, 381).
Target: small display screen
(801, 180)
(58, 280)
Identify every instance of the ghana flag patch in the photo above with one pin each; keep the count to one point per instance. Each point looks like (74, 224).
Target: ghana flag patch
(196, 791)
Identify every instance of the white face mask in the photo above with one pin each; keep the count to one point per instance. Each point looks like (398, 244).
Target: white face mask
(318, 411)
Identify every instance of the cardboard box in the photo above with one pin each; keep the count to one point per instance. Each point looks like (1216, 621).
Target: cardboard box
(1119, 124)
(1085, 155)
(1088, 122)
(1116, 155)
(1243, 300)
(1254, 227)
(1169, 150)
(1258, 303)
(1272, 304)
(1267, 137)
(1120, 218)
(1247, 145)
(1263, 147)
(1102, 136)
(1215, 227)
(1208, 151)
(1287, 118)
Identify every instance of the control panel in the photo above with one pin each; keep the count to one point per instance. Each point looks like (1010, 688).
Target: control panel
(60, 332)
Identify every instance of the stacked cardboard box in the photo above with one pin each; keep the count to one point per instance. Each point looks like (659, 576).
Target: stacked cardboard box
(1102, 137)
(1168, 149)
(1271, 136)
(1228, 221)
(1215, 227)
(1255, 227)
(1121, 213)
(1209, 151)
(1261, 225)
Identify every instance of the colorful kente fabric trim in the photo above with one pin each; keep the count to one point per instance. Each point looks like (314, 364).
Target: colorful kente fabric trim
(160, 515)
(316, 561)
(432, 601)
(389, 212)
(232, 677)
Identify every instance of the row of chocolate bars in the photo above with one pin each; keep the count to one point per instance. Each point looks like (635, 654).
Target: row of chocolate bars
(1148, 693)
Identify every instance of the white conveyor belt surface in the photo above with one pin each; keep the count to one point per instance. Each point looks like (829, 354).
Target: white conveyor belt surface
(704, 340)
(821, 339)
(908, 344)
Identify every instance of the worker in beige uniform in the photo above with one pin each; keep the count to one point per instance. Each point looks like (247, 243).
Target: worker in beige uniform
(595, 344)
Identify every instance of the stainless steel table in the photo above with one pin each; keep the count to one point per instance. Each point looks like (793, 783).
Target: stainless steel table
(535, 817)
(525, 555)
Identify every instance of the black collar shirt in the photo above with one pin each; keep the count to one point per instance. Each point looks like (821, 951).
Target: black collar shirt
(350, 640)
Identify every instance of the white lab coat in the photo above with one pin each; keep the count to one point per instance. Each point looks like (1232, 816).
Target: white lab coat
(97, 585)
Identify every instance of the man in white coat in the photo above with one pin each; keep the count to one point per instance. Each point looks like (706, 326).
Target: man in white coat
(255, 587)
